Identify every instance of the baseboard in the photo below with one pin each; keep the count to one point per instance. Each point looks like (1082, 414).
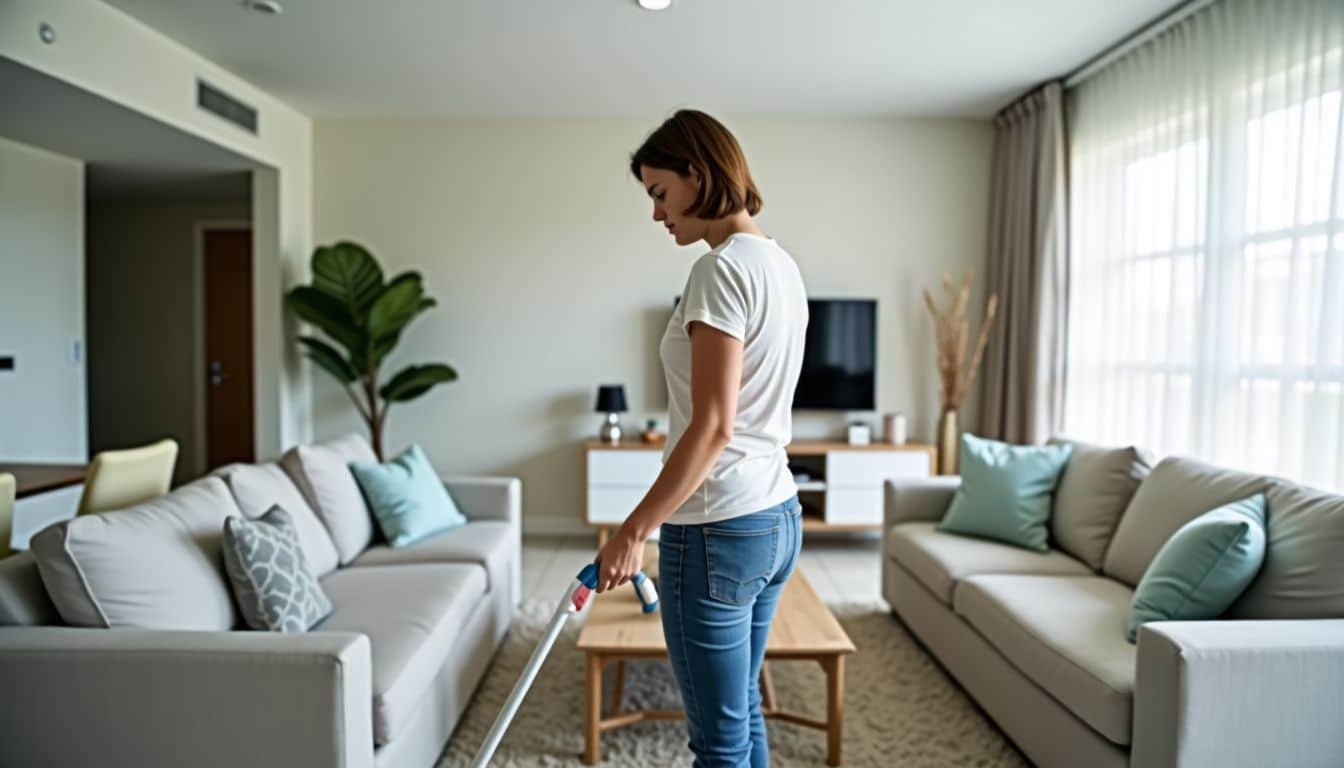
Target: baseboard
(556, 526)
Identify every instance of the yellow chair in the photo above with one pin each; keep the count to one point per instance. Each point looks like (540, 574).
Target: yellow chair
(118, 479)
(7, 488)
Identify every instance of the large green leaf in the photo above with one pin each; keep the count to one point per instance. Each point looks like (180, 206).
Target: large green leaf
(395, 307)
(328, 313)
(349, 273)
(415, 380)
(329, 360)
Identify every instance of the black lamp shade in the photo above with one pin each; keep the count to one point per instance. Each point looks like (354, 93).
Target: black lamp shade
(610, 399)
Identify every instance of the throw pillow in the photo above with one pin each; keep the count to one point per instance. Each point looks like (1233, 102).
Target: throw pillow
(1204, 567)
(407, 497)
(1006, 492)
(272, 583)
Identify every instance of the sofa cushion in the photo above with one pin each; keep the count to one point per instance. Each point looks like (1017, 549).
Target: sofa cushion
(1094, 489)
(488, 543)
(156, 565)
(1006, 491)
(322, 473)
(1067, 633)
(274, 588)
(412, 615)
(1177, 491)
(259, 487)
(939, 560)
(1303, 573)
(23, 600)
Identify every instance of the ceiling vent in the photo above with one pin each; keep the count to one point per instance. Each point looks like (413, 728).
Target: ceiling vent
(221, 104)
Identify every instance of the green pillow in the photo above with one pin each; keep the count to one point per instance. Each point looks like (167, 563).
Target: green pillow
(1006, 491)
(407, 497)
(1204, 567)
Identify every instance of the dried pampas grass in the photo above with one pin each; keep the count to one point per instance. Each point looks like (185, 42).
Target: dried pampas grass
(952, 328)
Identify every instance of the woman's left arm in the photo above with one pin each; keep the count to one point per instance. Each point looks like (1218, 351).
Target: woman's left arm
(716, 375)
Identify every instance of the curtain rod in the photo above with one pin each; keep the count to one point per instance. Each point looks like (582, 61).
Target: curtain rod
(1134, 40)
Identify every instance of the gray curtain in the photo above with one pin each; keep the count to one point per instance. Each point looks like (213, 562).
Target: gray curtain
(1023, 378)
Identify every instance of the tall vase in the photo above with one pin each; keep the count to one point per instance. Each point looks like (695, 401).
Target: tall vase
(949, 440)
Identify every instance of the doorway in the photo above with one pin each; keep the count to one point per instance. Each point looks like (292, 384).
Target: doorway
(227, 261)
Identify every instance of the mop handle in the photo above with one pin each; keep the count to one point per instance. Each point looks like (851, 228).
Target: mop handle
(576, 598)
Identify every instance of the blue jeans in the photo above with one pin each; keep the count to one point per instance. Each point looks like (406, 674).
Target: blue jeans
(718, 585)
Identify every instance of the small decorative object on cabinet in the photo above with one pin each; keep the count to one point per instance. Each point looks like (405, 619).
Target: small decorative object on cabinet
(951, 329)
(611, 401)
(651, 434)
(894, 430)
(859, 433)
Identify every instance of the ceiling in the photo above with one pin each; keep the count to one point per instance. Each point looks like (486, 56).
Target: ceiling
(130, 153)
(611, 58)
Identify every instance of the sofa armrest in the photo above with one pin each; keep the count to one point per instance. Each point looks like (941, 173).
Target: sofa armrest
(154, 698)
(1240, 693)
(488, 498)
(917, 499)
(493, 498)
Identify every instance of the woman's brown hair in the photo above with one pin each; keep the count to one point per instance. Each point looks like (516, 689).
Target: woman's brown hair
(692, 139)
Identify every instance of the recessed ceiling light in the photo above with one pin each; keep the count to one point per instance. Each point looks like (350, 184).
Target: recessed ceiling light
(268, 7)
(654, 5)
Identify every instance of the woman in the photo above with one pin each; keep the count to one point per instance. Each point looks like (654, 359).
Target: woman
(725, 503)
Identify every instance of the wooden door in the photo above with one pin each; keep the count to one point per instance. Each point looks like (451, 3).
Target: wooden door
(228, 346)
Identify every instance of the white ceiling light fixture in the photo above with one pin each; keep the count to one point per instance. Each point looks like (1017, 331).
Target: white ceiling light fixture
(268, 7)
(654, 5)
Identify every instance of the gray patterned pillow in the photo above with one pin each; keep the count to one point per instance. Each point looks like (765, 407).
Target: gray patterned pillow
(274, 588)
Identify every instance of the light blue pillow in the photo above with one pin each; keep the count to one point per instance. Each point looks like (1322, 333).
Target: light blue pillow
(1204, 567)
(1006, 491)
(407, 497)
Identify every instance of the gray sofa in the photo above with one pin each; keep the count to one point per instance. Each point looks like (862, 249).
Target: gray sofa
(382, 681)
(1038, 640)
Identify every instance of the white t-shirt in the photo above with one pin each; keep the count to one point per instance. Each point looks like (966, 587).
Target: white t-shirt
(751, 289)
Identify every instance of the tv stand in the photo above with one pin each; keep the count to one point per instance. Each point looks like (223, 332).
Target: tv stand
(843, 493)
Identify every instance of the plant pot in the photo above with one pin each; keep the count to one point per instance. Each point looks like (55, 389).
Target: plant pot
(949, 443)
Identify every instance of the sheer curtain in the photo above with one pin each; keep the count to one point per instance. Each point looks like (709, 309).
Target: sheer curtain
(1206, 312)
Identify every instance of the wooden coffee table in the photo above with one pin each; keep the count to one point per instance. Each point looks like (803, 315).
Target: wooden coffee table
(803, 630)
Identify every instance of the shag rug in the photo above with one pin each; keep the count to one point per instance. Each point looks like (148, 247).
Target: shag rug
(900, 708)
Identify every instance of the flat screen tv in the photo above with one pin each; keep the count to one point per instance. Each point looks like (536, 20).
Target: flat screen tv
(840, 357)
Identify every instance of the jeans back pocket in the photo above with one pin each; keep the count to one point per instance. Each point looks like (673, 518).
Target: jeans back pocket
(739, 562)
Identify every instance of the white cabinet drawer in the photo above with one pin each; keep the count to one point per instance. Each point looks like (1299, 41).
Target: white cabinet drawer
(870, 468)
(624, 467)
(610, 506)
(854, 506)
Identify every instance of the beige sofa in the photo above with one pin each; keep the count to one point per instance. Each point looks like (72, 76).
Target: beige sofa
(1038, 640)
(382, 681)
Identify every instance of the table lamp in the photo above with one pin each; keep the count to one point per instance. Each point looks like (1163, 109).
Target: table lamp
(611, 401)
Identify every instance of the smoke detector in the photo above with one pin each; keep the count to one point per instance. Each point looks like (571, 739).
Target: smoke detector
(654, 5)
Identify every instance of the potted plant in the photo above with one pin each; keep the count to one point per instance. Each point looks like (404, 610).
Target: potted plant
(364, 316)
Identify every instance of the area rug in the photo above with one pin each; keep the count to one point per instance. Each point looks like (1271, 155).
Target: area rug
(900, 707)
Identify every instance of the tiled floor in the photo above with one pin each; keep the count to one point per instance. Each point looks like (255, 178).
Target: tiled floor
(841, 568)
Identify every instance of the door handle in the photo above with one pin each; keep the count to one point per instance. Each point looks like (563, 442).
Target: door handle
(217, 375)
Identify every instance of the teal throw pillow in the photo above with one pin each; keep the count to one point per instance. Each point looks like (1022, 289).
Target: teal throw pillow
(1204, 567)
(407, 497)
(1006, 491)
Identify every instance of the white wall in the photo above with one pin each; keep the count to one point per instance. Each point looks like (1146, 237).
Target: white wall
(42, 405)
(108, 53)
(551, 278)
(147, 325)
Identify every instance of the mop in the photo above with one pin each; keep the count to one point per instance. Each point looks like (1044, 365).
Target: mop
(576, 598)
